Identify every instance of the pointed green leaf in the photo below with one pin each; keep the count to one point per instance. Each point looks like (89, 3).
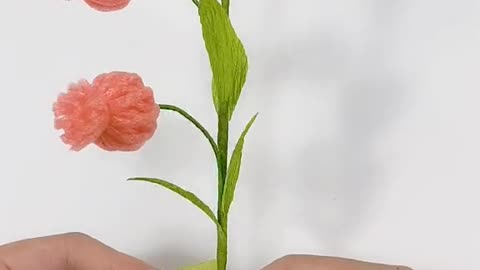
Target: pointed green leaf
(182, 192)
(211, 265)
(234, 170)
(228, 59)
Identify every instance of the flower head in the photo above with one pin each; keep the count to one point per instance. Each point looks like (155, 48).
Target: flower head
(107, 5)
(117, 112)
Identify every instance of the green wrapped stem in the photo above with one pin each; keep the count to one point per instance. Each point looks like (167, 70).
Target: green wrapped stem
(226, 6)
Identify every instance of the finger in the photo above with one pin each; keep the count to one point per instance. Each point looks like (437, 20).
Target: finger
(65, 252)
(305, 262)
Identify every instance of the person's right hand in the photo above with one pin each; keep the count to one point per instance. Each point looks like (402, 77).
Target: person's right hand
(306, 262)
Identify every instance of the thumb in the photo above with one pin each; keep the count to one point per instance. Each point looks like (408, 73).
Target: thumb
(306, 262)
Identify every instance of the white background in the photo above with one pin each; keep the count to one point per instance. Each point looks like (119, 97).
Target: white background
(367, 144)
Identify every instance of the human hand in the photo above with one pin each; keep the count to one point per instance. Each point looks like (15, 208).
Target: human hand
(305, 262)
(73, 251)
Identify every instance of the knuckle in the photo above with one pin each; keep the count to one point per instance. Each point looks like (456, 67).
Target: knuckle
(73, 239)
(77, 236)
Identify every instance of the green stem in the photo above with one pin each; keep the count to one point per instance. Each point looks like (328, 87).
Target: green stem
(226, 5)
(196, 2)
(195, 123)
(221, 155)
(222, 141)
(222, 243)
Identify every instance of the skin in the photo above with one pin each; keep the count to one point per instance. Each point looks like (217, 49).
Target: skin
(307, 262)
(76, 251)
(73, 251)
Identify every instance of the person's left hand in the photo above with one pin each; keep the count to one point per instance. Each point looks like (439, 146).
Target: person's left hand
(73, 251)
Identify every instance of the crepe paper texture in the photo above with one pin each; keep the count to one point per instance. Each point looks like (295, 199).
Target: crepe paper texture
(118, 112)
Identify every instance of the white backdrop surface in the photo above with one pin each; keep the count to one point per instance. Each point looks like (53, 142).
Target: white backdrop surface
(367, 144)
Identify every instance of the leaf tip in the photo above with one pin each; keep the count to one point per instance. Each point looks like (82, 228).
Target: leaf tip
(135, 179)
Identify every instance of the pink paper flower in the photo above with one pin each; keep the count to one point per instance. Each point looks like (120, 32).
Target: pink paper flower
(107, 5)
(117, 113)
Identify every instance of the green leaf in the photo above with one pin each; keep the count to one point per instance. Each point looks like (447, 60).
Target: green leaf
(211, 265)
(234, 169)
(228, 59)
(182, 192)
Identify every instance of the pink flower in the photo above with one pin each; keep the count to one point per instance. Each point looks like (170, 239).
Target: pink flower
(107, 5)
(117, 113)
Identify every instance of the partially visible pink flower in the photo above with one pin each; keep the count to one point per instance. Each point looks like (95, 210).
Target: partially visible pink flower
(107, 5)
(117, 113)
